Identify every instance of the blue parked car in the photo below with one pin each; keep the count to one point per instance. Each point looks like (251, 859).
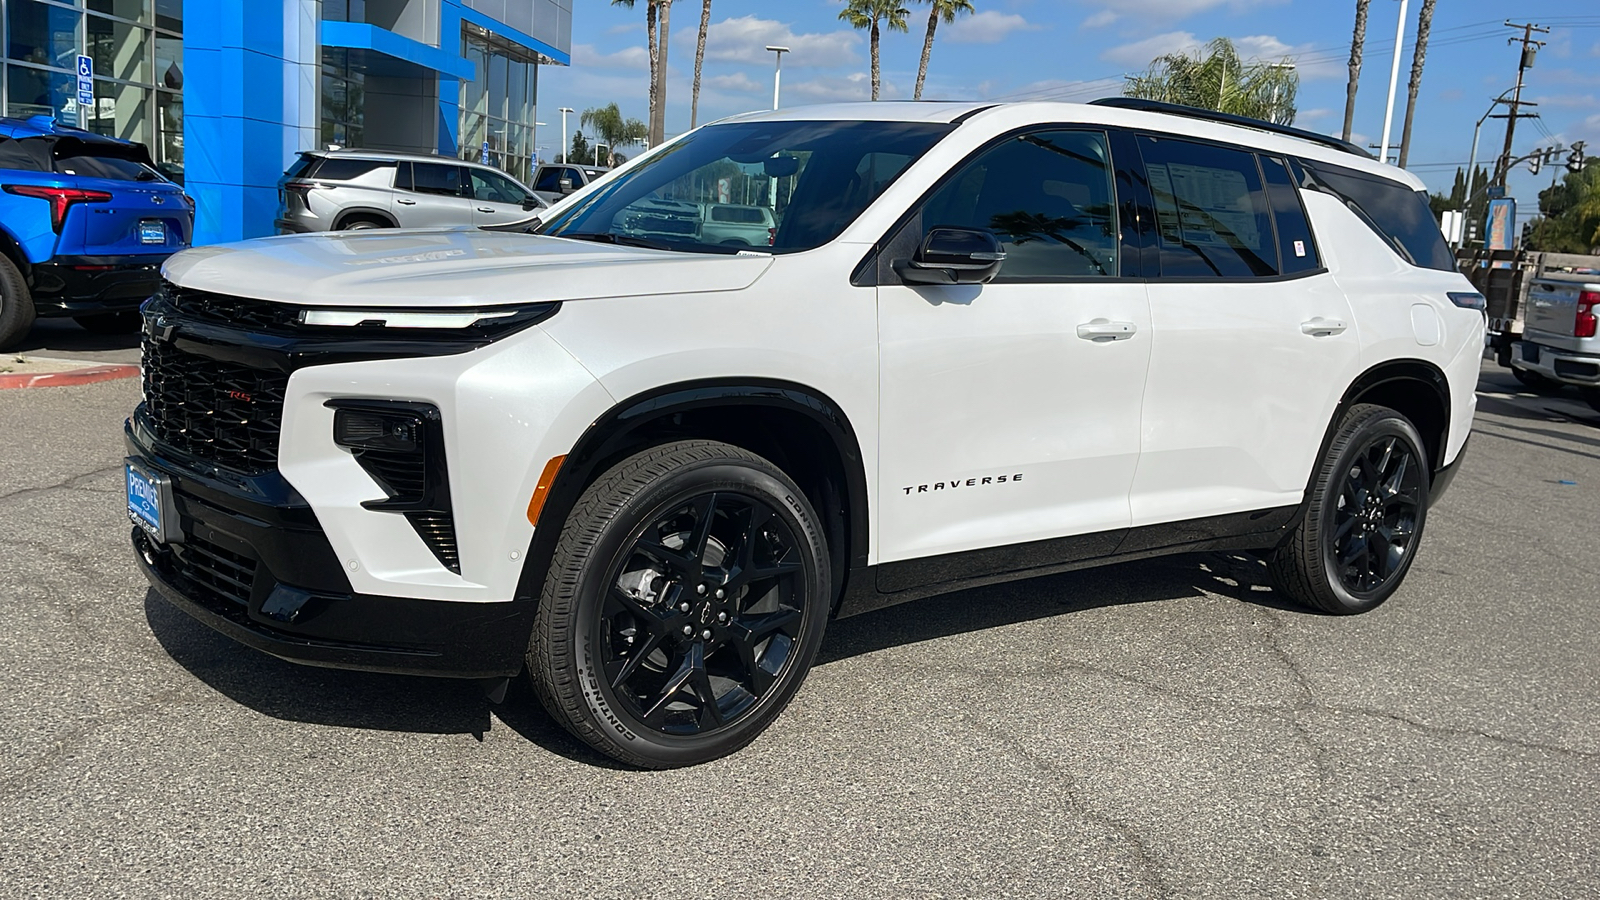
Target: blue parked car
(85, 223)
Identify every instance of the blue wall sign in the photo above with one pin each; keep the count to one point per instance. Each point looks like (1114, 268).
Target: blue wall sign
(483, 153)
(85, 90)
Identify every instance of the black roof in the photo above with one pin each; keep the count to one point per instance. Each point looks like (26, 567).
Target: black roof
(1194, 112)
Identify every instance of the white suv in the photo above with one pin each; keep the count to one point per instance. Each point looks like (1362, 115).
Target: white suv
(986, 342)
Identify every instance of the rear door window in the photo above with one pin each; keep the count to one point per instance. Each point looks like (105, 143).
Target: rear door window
(436, 178)
(1048, 197)
(1296, 248)
(1397, 213)
(549, 180)
(1212, 216)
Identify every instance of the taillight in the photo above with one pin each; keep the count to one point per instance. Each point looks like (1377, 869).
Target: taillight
(1588, 304)
(61, 199)
(772, 236)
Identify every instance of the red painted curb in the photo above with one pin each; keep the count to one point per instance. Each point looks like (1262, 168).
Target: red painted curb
(88, 375)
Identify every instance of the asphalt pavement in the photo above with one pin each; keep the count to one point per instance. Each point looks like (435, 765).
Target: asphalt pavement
(1157, 729)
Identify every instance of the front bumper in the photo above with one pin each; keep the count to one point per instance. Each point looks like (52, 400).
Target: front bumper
(255, 565)
(85, 285)
(1565, 366)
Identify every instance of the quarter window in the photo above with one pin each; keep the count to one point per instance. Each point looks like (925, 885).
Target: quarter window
(1047, 196)
(1397, 213)
(1211, 213)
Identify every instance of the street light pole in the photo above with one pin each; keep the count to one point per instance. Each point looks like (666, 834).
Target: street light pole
(777, 72)
(1394, 81)
(566, 145)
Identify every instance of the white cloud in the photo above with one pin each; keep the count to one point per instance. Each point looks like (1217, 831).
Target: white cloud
(1101, 19)
(738, 82)
(585, 56)
(836, 88)
(1307, 116)
(986, 27)
(1253, 48)
(745, 40)
(1139, 53)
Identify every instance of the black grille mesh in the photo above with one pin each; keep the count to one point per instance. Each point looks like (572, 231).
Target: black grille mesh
(219, 411)
(214, 570)
(234, 312)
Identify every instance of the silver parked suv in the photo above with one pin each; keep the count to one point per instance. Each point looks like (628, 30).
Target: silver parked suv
(339, 190)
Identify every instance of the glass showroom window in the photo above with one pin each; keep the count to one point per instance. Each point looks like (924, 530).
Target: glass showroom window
(343, 99)
(497, 108)
(42, 44)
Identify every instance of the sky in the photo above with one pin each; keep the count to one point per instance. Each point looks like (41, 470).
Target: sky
(1078, 50)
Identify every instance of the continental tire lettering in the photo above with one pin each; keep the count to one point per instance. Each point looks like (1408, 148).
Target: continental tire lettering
(597, 701)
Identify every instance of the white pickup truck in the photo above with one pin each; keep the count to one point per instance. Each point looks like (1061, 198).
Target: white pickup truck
(1559, 339)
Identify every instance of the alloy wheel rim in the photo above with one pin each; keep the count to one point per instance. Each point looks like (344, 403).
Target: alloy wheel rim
(1375, 520)
(702, 615)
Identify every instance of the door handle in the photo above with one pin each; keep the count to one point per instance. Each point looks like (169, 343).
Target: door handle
(1320, 327)
(1103, 330)
(404, 202)
(486, 209)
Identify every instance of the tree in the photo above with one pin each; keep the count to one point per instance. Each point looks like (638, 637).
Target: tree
(658, 57)
(1357, 40)
(1216, 78)
(937, 9)
(658, 113)
(1570, 220)
(611, 129)
(869, 15)
(699, 60)
(580, 151)
(1424, 25)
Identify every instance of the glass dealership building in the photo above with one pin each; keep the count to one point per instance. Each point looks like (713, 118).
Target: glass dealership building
(226, 92)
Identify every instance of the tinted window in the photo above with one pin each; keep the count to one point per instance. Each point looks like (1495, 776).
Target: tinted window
(549, 180)
(94, 166)
(349, 169)
(495, 188)
(1397, 213)
(745, 215)
(1211, 213)
(1296, 248)
(21, 154)
(300, 166)
(434, 178)
(1047, 196)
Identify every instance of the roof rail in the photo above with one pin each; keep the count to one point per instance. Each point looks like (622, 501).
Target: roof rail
(1194, 112)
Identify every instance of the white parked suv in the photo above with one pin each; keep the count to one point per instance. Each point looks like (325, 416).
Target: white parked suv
(987, 342)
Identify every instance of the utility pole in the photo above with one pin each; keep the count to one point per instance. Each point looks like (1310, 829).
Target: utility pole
(1394, 82)
(1530, 50)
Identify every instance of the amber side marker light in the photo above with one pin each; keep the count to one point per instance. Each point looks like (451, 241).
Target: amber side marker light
(542, 490)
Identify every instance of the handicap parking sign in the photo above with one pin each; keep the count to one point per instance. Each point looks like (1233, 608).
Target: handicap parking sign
(85, 88)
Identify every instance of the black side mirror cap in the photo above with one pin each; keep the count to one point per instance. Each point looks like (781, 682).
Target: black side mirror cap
(530, 204)
(952, 255)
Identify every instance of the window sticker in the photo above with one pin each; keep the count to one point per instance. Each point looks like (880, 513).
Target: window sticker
(1300, 248)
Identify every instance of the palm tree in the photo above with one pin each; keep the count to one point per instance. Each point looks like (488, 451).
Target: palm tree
(938, 9)
(1424, 25)
(869, 14)
(1216, 78)
(658, 113)
(610, 128)
(1358, 39)
(699, 59)
(654, 48)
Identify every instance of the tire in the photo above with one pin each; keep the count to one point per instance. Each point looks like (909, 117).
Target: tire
(1591, 396)
(16, 305)
(1360, 531)
(110, 323)
(1533, 380)
(361, 225)
(620, 580)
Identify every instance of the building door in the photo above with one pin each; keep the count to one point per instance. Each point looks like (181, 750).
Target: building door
(1010, 411)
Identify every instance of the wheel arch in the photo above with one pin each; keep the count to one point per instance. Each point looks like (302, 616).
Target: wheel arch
(12, 250)
(802, 430)
(1415, 388)
(363, 212)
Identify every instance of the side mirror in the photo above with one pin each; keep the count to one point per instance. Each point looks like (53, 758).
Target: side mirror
(565, 186)
(529, 204)
(950, 255)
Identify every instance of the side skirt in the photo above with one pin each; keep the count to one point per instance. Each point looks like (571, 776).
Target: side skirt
(874, 587)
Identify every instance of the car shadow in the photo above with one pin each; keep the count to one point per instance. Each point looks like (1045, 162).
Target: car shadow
(52, 336)
(408, 704)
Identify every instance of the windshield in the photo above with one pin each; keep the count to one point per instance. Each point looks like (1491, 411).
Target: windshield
(813, 178)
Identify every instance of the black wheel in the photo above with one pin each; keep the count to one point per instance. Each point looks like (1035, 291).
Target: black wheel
(1591, 396)
(1533, 380)
(110, 323)
(16, 305)
(1368, 505)
(683, 607)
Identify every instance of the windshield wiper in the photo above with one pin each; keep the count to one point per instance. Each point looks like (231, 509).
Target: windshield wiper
(606, 237)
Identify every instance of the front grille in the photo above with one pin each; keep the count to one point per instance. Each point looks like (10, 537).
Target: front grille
(214, 570)
(219, 411)
(233, 312)
(438, 531)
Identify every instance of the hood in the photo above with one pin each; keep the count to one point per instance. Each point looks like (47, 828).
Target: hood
(451, 267)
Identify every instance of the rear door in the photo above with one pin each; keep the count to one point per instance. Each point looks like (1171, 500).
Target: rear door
(145, 213)
(430, 195)
(497, 199)
(1253, 347)
(1010, 411)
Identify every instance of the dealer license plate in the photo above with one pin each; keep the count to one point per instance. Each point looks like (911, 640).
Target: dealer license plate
(152, 231)
(149, 501)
